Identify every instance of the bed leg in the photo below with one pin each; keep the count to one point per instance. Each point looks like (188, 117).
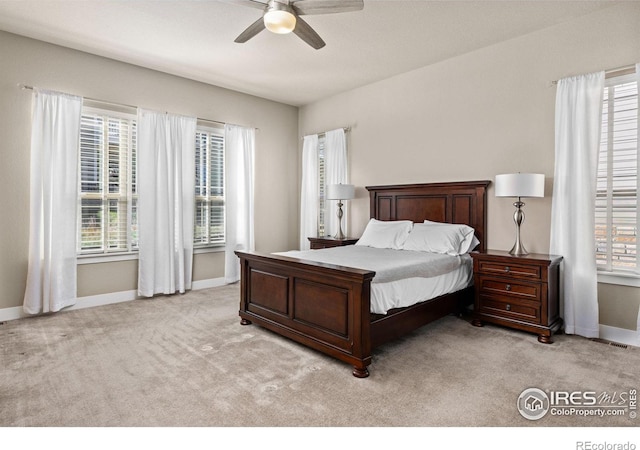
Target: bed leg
(360, 372)
(245, 322)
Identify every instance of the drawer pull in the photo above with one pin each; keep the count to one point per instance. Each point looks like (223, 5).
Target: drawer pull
(508, 308)
(507, 269)
(508, 287)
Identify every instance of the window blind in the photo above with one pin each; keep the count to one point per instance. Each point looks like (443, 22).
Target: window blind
(322, 185)
(616, 216)
(209, 192)
(107, 196)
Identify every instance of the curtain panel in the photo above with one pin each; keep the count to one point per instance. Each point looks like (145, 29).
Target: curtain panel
(166, 188)
(309, 196)
(55, 139)
(239, 196)
(336, 172)
(577, 137)
(638, 140)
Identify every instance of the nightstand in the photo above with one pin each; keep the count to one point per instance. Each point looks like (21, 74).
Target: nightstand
(328, 241)
(520, 292)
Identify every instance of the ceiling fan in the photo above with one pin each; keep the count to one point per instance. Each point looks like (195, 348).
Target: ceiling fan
(283, 16)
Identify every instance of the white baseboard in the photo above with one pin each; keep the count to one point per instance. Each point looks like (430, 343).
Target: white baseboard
(11, 313)
(620, 335)
(105, 299)
(206, 284)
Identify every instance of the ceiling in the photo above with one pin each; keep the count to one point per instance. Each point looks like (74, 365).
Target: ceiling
(194, 38)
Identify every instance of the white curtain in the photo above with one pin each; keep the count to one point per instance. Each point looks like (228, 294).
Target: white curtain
(166, 189)
(335, 151)
(239, 187)
(577, 137)
(55, 139)
(309, 196)
(638, 82)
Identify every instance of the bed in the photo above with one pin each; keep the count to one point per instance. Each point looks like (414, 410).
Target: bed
(327, 307)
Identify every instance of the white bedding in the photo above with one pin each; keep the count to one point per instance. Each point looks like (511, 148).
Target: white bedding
(403, 277)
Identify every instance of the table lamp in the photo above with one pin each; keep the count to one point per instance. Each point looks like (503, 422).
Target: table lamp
(519, 185)
(340, 192)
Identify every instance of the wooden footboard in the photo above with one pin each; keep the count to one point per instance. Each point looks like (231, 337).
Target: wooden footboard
(322, 306)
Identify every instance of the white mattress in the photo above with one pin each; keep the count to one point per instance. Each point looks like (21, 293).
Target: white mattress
(409, 291)
(403, 278)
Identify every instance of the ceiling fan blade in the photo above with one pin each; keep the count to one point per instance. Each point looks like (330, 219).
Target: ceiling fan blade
(304, 31)
(253, 29)
(250, 3)
(309, 7)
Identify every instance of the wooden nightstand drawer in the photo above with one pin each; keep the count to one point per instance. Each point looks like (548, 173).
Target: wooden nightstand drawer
(509, 288)
(529, 312)
(511, 270)
(520, 292)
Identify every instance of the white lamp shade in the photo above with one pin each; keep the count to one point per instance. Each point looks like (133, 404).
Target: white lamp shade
(279, 21)
(520, 185)
(340, 191)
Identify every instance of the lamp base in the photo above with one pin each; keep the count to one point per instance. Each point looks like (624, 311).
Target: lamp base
(518, 250)
(339, 234)
(518, 217)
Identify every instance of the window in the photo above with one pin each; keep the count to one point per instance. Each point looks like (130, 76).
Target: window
(108, 195)
(323, 205)
(322, 186)
(209, 206)
(617, 197)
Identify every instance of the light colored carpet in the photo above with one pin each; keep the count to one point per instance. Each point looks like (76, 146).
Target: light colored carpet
(186, 361)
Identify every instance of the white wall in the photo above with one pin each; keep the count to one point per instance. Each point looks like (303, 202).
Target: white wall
(483, 113)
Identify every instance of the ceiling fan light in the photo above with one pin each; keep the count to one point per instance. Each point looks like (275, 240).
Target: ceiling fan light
(279, 21)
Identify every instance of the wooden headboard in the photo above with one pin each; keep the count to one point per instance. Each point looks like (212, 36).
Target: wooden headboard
(456, 202)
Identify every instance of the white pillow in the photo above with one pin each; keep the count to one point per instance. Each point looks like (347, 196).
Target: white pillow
(438, 237)
(470, 240)
(385, 234)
